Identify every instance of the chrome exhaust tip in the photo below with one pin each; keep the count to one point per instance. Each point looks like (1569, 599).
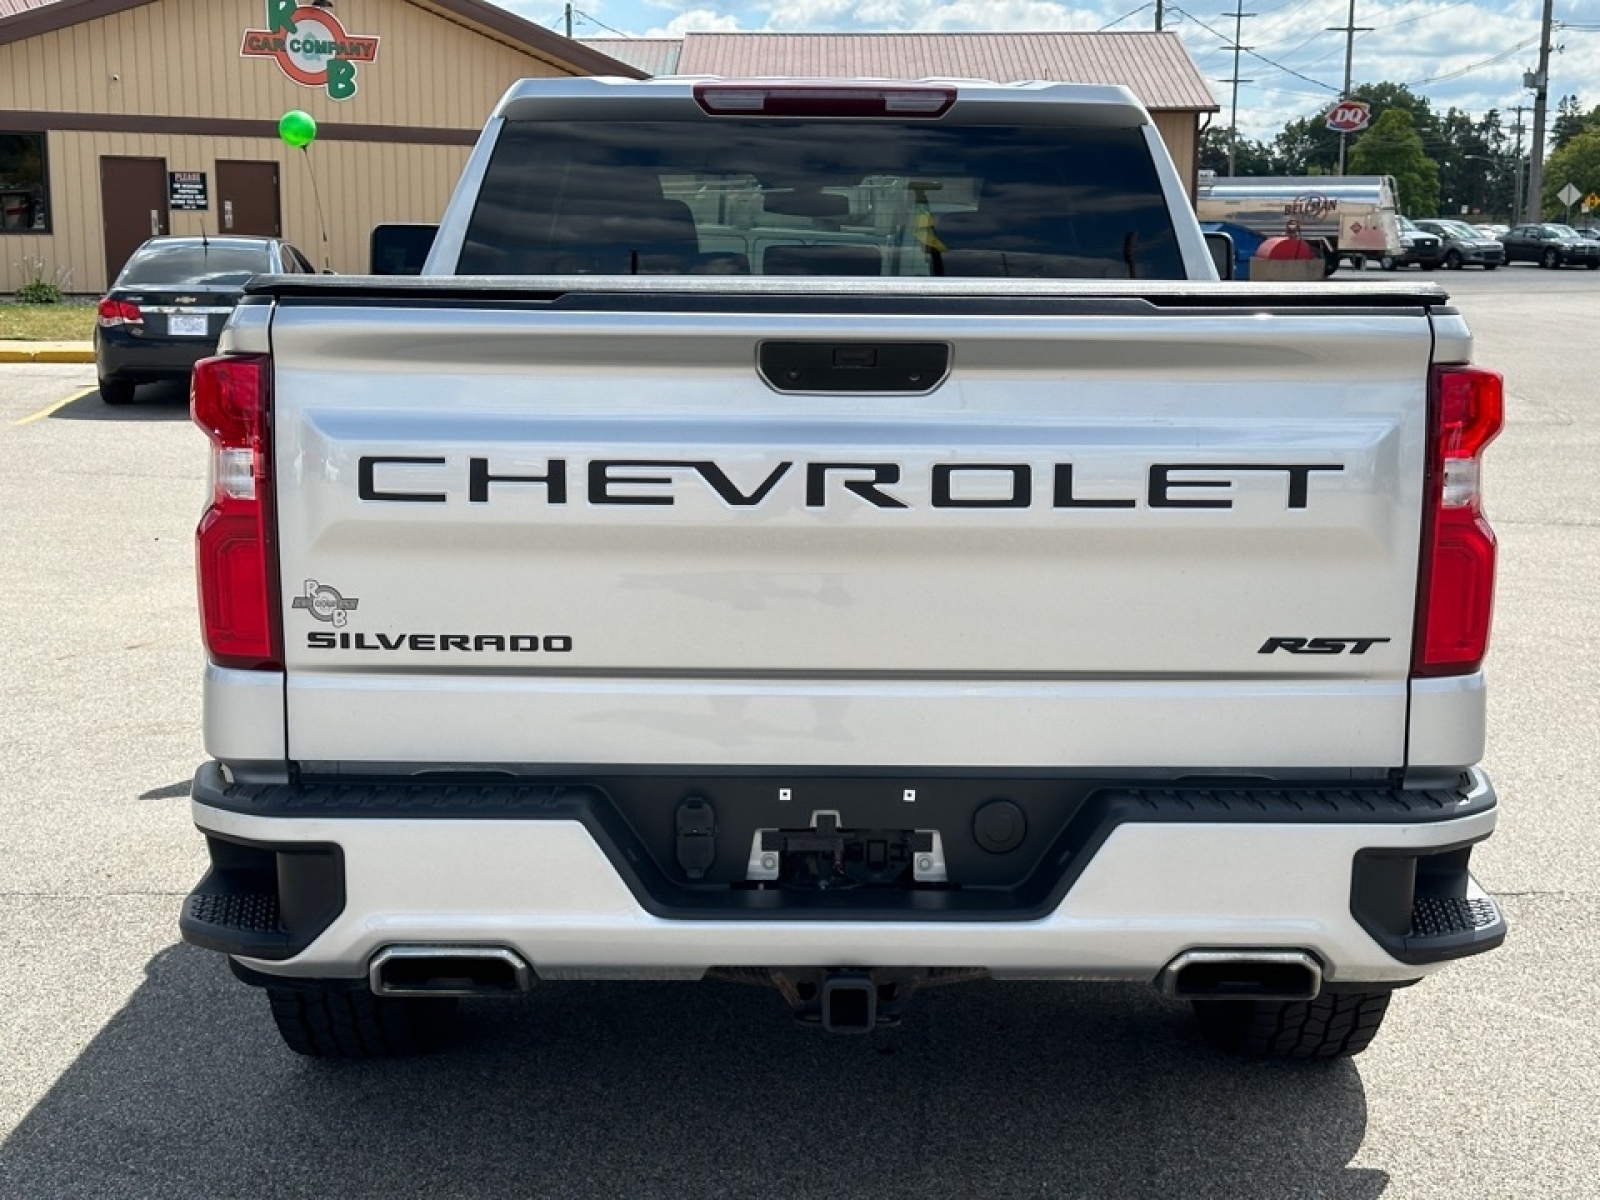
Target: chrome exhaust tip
(449, 971)
(1242, 975)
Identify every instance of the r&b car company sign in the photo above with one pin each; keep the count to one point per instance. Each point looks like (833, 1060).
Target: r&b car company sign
(311, 47)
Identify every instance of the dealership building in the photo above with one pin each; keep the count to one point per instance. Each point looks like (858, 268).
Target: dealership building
(124, 118)
(120, 119)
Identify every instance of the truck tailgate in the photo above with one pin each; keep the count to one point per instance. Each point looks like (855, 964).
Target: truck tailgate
(586, 532)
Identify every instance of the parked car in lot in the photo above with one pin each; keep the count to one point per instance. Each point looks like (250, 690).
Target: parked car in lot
(168, 305)
(1418, 248)
(1464, 245)
(1550, 246)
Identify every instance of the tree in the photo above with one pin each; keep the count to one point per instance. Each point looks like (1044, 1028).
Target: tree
(1577, 163)
(1308, 147)
(1473, 173)
(1392, 146)
(1571, 121)
(1250, 158)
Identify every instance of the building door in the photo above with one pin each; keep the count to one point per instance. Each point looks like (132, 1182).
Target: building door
(133, 201)
(247, 198)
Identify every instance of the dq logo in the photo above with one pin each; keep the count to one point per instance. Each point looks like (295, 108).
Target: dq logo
(311, 47)
(1349, 116)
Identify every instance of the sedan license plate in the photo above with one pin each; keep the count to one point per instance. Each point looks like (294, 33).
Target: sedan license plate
(186, 326)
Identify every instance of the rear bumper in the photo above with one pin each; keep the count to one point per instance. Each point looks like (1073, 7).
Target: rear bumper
(313, 881)
(120, 355)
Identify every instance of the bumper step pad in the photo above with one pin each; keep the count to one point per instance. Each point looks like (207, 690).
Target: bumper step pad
(1455, 926)
(221, 916)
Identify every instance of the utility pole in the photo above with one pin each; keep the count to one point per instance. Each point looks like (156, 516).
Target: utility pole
(1516, 185)
(1161, 14)
(1238, 14)
(1541, 99)
(569, 22)
(1349, 29)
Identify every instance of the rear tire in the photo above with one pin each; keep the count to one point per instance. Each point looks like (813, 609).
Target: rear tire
(1551, 260)
(1334, 1025)
(116, 391)
(1453, 260)
(1389, 263)
(337, 1021)
(1593, 266)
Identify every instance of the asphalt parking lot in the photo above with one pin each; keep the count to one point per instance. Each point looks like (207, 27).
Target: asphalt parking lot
(133, 1065)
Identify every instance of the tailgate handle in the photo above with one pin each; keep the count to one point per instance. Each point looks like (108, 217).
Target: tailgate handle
(903, 368)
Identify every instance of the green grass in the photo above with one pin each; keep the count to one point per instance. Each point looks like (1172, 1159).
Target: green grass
(46, 322)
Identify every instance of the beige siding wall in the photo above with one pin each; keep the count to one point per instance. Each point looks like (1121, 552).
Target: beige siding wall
(1180, 132)
(181, 58)
(362, 184)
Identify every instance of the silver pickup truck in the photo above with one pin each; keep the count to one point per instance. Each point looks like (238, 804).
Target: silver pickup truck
(841, 536)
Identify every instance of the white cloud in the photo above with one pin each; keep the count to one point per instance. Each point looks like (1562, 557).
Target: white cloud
(928, 15)
(1414, 42)
(696, 20)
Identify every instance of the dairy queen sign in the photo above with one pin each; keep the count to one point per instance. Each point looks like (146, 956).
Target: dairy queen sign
(1349, 116)
(311, 47)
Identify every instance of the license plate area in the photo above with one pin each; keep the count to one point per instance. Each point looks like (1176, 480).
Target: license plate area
(824, 856)
(179, 325)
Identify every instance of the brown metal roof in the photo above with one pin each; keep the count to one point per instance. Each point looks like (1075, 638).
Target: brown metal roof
(653, 56)
(1154, 66)
(28, 18)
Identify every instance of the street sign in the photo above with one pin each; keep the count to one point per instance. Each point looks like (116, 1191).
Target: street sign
(1569, 195)
(1349, 116)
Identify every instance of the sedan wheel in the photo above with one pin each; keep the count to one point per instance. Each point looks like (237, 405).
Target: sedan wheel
(116, 391)
(1551, 260)
(1453, 260)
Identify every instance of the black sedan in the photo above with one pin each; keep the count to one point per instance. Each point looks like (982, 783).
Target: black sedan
(1550, 246)
(167, 307)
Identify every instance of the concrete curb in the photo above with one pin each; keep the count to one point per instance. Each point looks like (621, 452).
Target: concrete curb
(46, 352)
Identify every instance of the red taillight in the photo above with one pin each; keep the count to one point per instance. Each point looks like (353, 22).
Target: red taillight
(825, 100)
(1455, 593)
(116, 313)
(235, 546)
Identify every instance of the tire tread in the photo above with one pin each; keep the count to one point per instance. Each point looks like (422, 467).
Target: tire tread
(1334, 1025)
(330, 1021)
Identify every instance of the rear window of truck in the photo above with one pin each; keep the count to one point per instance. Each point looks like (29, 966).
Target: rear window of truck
(763, 197)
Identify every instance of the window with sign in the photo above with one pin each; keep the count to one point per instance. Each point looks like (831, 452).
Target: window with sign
(24, 196)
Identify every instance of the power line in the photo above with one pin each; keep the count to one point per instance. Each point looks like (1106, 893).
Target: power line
(580, 13)
(1478, 66)
(1251, 52)
(1131, 13)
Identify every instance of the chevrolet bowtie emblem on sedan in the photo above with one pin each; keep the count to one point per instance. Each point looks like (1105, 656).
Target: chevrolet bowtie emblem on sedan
(186, 299)
(324, 603)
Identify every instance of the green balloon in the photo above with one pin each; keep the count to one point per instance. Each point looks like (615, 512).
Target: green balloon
(297, 128)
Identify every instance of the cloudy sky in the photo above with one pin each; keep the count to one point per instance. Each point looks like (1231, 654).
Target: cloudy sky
(1466, 53)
